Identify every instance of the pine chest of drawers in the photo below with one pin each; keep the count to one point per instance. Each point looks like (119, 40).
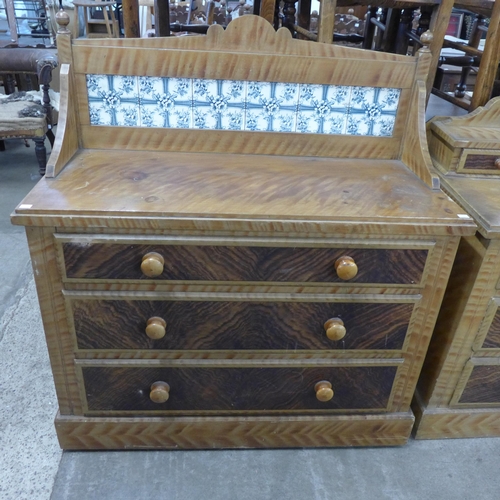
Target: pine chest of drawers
(211, 298)
(459, 391)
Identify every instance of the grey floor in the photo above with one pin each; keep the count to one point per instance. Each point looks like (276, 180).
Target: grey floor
(33, 467)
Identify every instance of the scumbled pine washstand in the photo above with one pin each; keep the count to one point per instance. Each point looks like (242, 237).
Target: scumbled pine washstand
(458, 394)
(252, 279)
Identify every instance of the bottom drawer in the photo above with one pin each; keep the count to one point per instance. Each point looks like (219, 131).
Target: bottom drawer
(125, 389)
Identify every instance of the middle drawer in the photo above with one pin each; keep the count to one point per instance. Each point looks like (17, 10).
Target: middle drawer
(126, 323)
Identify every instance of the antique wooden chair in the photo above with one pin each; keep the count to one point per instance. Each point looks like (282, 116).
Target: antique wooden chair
(486, 61)
(20, 117)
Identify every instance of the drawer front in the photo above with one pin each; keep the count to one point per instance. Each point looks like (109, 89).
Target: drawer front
(482, 386)
(237, 389)
(490, 327)
(479, 162)
(225, 325)
(235, 263)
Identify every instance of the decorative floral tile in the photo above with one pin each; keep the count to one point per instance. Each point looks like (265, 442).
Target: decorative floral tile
(241, 105)
(389, 98)
(219, 104)
(113, 100)
(271, 107)
(166, 102)
(322, 109)
(372, 111)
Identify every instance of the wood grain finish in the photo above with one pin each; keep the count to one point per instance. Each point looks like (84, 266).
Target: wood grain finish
(68, 124)
(267, 60)
(492, 340)
(237, 389)
(252, 224)
(224, 263)
(475, 162)
(441, 423)
(459, 390)
(483, 386)
(94, 433)
(302, 194)
(55, 323)
(476, 135)
(121, 324)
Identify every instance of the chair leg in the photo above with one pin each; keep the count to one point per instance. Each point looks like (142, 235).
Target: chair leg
(2, 145)
(51, 137)
(462, 84)
(41, 154)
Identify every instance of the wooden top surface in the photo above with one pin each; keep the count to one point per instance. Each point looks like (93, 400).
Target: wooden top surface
(132, 184)
(480, 197)
(479, 129)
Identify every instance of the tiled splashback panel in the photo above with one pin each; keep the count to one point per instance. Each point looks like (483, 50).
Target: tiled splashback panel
(131, 101)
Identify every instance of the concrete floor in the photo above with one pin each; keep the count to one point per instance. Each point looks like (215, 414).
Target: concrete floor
(33, 467)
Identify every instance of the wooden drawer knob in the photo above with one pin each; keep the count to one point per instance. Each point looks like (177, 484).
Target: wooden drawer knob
(346, 267)
(324, 391)
(497, 163)
(156, 328)
(159, 392)
(152, 264)
(335, 329)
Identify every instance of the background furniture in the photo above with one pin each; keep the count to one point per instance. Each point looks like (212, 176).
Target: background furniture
(99, 18)
(28, 18)
(487, 62)
(15, 65)
(458, 394)
(243, 267)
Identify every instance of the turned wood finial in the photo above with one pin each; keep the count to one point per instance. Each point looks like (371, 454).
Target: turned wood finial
(62, 19)
(426, 39)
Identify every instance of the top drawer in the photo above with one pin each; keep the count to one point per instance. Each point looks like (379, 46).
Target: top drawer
(224, 263)
(479, 161)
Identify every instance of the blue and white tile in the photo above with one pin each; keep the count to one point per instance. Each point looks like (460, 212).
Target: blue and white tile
(166, 102)
(287, 95)
(113, 100)
(335, 123)
(271, 106)
(361, 98)
(314, 109)
(389, 98)
(372, 111)
(96, 84)
(384, 126)
(357, 124)
(339, 97)
(219, 104)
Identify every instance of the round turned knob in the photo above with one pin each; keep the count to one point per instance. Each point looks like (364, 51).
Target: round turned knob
(159, 392)
(324, 391)
(346, 267)
(156, 328)
(335, 329)
(152, 264)
(497, 163)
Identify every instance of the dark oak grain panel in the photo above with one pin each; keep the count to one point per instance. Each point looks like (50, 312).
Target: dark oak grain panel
(483, 385)
(234, 263)
(482, 162)
(120, 324)
(237, 389)
(492, 340)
